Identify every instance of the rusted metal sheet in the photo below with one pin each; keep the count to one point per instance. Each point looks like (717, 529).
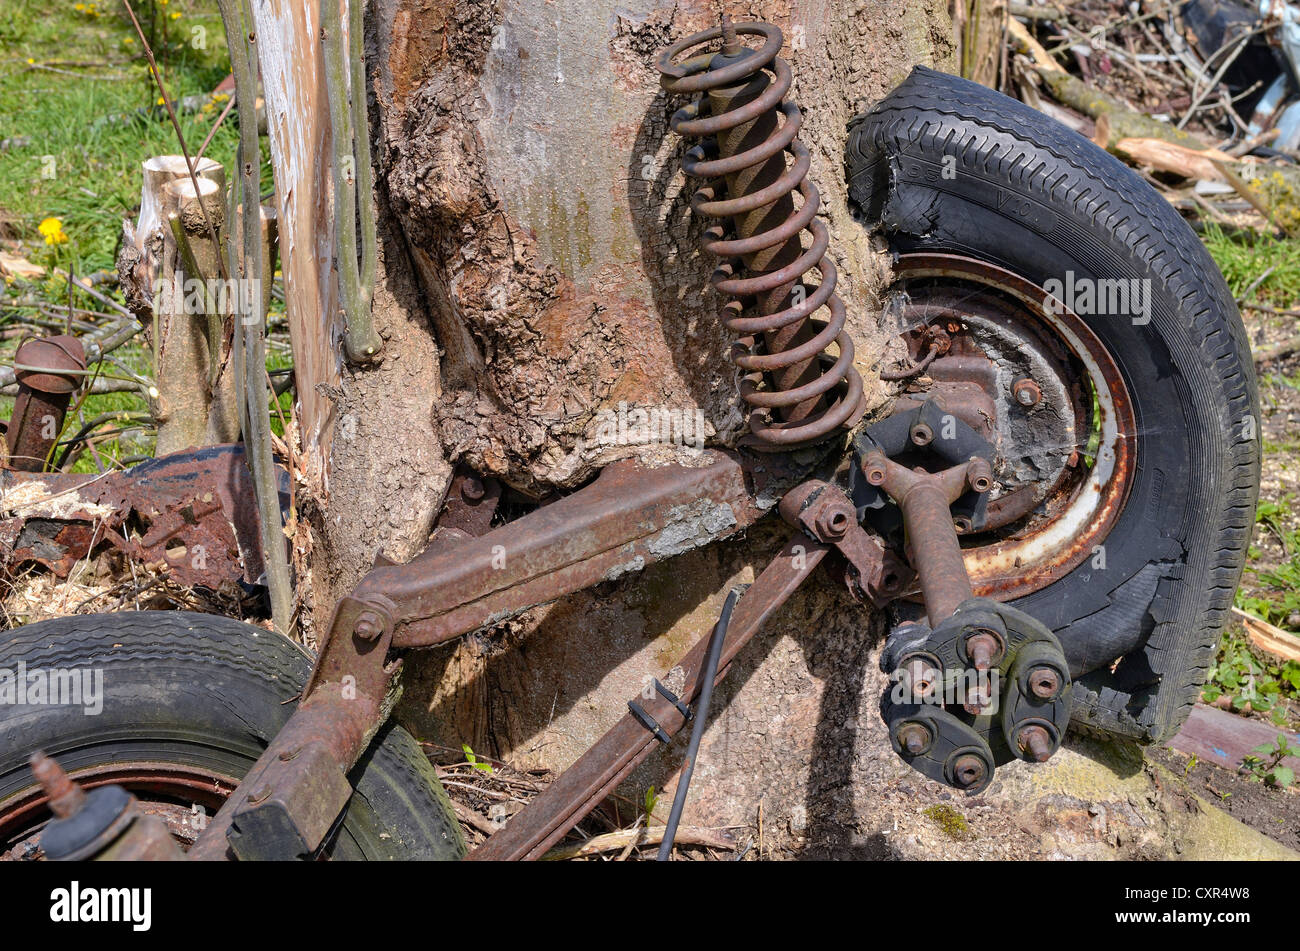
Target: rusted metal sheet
(190, 514)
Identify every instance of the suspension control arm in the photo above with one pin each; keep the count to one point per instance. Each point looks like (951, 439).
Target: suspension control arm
(631, 516)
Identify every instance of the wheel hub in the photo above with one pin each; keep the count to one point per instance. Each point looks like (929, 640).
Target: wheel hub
(1040, 386)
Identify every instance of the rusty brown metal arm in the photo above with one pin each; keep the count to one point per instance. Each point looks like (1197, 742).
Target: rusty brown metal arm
(582, 786)
(631, 516)
(924, 499)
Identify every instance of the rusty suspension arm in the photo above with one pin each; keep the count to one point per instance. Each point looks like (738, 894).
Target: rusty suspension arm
(596, 774)
(629, 517)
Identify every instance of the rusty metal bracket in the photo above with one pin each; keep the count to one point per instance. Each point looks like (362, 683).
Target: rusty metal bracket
(456, 587)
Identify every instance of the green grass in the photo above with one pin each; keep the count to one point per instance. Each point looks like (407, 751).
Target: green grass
(81, 112)
(1243, 258)
(86, 134)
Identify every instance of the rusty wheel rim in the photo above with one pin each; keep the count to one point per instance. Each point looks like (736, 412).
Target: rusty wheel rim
(1079, 509)
(183, 796)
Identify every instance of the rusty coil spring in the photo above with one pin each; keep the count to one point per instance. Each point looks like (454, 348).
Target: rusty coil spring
(747, 129)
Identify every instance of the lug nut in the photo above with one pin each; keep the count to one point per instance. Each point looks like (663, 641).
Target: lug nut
(984, 648)
(979, 474)
(913, 737)
(1036, 742)
(968, 771)
(1026, 392)
(922, 434)
(1044, 683)
(920, 674)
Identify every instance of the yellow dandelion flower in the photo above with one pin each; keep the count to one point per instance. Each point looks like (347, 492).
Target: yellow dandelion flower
(176, 15)
(51, 230)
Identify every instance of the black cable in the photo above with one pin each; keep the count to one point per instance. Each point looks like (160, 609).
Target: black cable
(701, 720)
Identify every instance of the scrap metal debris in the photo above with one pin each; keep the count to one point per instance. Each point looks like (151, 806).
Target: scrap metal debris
(190, 515)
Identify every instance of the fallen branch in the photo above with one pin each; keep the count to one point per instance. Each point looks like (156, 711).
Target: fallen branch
(1168, 157)
(611, 841)
(1269, 638)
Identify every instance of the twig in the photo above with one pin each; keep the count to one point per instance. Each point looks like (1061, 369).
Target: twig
(1277, 351)
(240, 36)
(215, 126)
(641, 835)
(353, 194)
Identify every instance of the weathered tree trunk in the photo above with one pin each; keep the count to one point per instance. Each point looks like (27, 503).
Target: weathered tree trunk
(539, 264)
(194, 402)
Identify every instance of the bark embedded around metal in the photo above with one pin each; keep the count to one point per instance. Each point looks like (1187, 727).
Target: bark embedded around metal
(524, 156)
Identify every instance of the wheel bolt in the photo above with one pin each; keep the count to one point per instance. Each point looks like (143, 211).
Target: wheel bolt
(920, 674)
(968, 771)
(1036, 742)
(65, 796)
(984, 648)
(979, 474)
(1044, 683)
(913, 737)
(1027, 392)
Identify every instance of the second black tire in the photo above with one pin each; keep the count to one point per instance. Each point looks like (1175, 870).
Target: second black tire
(200, 692)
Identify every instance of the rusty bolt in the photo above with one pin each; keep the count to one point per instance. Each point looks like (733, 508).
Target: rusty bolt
(979, 474)
(471, 488)
(969, 770)
(260, 795)
(984, 648)
(913, 737)
(977, 698)
(1036, 742)
(1026, 392)
(368, 626)
(831, 522)
(922, 434)
(65, 796)
(1044, 683)
(921, 675)
(962, 525)
(287, 755)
